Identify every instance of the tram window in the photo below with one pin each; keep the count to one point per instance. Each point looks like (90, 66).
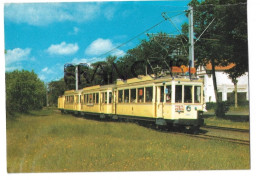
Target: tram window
(187, 94)
(162, 94)
(97, 98)
(71, 99)
(133, 95)
(80, 99)
(197, 94)
(140, 94)
(178, 93)
(120, 96)
(110, 97)
(90, 98)
(148, 94)
(168, 92)
(85, 98)
(94, 98)
(105, 98)
(126, 94)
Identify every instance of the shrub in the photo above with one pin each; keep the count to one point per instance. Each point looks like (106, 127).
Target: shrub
(210, 105)
(24, 92)
(221, 108)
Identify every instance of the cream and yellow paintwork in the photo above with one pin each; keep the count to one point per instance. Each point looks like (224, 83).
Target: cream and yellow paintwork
(154, 109)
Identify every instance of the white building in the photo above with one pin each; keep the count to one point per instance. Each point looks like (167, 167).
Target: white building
(224, 84)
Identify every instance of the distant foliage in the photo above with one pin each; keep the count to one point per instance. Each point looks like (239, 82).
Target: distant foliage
(55, 89)
(24, 92)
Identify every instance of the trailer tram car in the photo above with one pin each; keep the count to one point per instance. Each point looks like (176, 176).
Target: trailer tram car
(166, 101)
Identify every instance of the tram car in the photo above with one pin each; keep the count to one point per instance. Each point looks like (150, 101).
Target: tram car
(166, 101)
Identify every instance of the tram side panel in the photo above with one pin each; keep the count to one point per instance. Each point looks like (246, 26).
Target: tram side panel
(135, 101)
(90, 102)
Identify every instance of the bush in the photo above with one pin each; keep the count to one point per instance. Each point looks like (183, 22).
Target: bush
(24, 92)
(210, 105)
(221, 108)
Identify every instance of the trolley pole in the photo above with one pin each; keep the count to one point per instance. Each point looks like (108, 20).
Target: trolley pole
(76, 75)
(191, 40)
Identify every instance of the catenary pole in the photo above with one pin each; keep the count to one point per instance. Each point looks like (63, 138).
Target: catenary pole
(76, 75)
(191, 40)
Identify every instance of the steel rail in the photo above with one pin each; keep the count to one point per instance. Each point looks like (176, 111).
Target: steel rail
(226, 128)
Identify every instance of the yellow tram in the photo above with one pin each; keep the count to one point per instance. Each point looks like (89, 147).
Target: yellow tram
(171, 101)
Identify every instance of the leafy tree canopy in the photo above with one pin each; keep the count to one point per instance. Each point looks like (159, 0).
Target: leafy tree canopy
(225, 40)
(24, 91)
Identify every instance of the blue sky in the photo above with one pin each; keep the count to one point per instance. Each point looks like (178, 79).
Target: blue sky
(45, 36)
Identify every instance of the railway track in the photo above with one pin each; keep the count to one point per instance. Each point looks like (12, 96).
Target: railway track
(205, 136)
(226, 128)
(233, 140)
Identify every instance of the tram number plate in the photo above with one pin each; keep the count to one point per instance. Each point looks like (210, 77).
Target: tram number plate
(179, 108)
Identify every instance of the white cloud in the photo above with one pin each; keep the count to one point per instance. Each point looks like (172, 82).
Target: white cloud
(109, 12)
(46, 70)
(39, 14)
(12, 68)
(101, 46)
(118, 53)
(75, 31)
(89, 61)
(15, 56)
(63, 49)
(42, 77)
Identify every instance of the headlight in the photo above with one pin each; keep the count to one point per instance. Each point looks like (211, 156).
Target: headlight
(188, 108)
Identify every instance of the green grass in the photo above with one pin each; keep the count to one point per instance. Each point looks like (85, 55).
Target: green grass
(214, 121)
(47, 141)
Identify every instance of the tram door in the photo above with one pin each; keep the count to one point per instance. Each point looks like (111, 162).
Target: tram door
(103, 101)
(159, 101)
(114, 101)
(77, 103)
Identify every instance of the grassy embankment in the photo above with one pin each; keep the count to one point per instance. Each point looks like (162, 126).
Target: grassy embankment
(47, 141)
(235, 118)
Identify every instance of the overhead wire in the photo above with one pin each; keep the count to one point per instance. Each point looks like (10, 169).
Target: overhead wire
(167, 18)
(134, 37)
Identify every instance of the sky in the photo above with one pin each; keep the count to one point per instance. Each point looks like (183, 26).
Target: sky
(44, 36)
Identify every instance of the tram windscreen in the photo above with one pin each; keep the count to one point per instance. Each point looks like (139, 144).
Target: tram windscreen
(178, 93)
(187, 94)
(197, 94)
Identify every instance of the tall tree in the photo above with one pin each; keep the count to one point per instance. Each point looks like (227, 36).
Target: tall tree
(155, 55)
(225, 40)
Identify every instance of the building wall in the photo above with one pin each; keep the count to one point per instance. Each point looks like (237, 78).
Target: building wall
(224, 85)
